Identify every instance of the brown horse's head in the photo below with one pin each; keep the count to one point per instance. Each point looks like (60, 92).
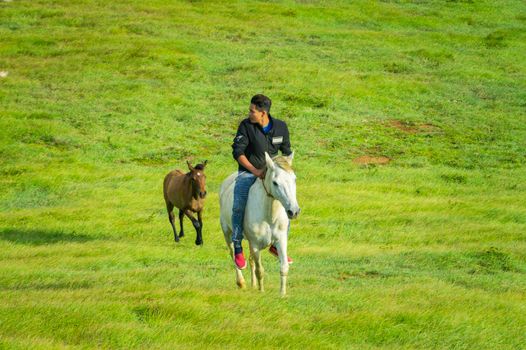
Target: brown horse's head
(198, 179)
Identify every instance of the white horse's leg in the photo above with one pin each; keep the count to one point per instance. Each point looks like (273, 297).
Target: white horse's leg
(252, 268)
(281, 247)
(240, 280)
(260, 271)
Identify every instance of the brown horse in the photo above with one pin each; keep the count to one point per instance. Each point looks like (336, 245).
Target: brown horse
(187, 192)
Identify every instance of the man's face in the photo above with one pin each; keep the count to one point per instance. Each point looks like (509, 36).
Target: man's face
(255, 116)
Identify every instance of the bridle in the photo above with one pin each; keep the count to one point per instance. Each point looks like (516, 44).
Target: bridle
(263, 182)
(268, 193)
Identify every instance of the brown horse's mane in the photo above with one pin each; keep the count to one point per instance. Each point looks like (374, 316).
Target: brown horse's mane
(197, 167)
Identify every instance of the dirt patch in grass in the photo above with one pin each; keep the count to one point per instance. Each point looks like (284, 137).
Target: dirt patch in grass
(412, 128)
(367, 160)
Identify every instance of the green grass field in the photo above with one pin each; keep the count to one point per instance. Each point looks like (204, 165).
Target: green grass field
(100, 99)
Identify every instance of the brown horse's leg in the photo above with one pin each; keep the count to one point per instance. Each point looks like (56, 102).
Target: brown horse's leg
(171, 217)
(200, 219)
(197, 226)
(181, 216)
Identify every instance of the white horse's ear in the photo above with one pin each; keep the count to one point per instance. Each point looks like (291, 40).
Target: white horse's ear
(270, 162)
(289, 158)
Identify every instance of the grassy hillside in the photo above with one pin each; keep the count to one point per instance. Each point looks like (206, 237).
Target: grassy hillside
(99, 100)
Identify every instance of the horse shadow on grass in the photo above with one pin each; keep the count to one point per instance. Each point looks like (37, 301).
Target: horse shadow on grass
(42, 237)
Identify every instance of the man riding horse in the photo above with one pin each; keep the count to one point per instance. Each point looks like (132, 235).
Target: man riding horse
(257, 134)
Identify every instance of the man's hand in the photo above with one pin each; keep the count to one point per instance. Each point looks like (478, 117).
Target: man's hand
(259, 173)
(242, 159)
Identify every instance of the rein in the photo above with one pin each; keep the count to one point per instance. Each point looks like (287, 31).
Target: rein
(268, 193)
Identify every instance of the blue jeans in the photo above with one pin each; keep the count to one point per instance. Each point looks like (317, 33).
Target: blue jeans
(244, 181)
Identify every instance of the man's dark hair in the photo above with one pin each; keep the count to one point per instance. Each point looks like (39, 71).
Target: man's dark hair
(261, 102)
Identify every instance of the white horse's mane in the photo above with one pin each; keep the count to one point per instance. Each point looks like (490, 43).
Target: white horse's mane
(283, 163)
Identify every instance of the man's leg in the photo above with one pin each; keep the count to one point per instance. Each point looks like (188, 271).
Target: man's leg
(241, 188)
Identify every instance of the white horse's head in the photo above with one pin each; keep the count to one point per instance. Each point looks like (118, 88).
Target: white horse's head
(281, 183)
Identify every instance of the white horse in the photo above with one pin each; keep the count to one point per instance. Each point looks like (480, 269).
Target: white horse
(271, 203)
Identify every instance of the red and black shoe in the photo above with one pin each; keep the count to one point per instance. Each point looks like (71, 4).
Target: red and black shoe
(272, 250)
(240, 261)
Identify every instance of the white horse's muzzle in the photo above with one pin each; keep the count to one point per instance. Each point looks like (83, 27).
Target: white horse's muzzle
(293, 214)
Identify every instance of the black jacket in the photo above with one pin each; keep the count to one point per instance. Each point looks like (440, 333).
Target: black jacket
(253, 143)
